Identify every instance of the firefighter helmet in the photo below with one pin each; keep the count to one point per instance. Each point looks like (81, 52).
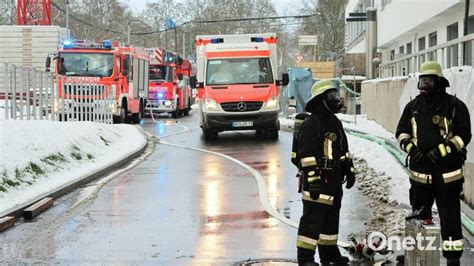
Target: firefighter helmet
(433, 68)
(321, 86)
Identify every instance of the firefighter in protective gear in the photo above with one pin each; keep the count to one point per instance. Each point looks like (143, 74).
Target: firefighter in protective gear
(434, 131)
(324, 164)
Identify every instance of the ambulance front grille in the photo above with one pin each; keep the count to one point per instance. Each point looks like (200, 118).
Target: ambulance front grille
(241, 106)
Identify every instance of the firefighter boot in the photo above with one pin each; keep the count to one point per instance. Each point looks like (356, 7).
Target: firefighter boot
(330, 255)
(453, 262)
(306, 257)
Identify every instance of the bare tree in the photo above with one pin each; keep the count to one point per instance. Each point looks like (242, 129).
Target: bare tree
(328, 25)
(8, 15)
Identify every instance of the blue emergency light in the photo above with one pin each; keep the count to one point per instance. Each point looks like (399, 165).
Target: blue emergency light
(217, 40)
(160, 95)
(68, 43)
(107, 44)
(259, 39)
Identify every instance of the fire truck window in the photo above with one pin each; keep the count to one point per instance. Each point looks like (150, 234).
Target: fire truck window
(147, 77)
(86, 64)
(157, 72)
(125, 69)
(170, 75)
(130, 68)
(141, 74)
(117, 64)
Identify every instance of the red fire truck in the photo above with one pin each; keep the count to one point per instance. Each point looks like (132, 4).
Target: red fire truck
(169, 90)
(110, 68)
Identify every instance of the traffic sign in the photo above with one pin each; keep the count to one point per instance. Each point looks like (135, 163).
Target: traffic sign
(299, 58)
(304, 40)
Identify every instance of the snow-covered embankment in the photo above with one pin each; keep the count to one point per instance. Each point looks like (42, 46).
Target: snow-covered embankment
(37, 157)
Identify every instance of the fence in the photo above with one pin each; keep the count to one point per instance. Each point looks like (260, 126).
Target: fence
(29, 94)
(453, 53)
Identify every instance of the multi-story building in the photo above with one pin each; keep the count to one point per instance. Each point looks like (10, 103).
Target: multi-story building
(410, 32)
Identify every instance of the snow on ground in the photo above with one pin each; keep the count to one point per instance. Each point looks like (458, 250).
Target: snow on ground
(361, 123)
(385, 165)
(39, 156)
(382, 179)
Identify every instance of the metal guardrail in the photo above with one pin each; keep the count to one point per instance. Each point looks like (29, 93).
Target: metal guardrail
(448, 54)
(29, 94)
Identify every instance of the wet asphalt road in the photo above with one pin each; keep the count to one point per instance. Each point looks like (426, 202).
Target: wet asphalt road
(179, 207)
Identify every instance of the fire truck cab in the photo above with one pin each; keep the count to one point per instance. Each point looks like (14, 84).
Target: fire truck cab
(122, 70)
(169, 90)
(236, 82)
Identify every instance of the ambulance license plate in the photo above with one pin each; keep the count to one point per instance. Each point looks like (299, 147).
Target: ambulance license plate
(242, 124)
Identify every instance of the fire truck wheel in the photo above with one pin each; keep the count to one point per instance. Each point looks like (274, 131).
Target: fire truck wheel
(176, 113)
(116, 119)
(188, 108)
(123, 117)
(136, 118)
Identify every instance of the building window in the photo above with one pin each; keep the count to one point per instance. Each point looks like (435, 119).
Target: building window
(421, 44)
(392, 54)
(470, 24)
(452, 31)
(401, 49)
(409, 48)
(468, 55)
(432, 56)
(453, 55)
(433, 39)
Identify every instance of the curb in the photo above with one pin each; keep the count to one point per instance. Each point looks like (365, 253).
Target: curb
(17, 211)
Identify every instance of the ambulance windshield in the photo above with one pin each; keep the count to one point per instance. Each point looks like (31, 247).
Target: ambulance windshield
(86, 64)
(239, 71)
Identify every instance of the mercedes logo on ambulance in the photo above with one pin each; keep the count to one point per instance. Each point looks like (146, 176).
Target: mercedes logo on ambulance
(241, 106)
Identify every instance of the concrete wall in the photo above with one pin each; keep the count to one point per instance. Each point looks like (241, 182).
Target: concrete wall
(380, 101)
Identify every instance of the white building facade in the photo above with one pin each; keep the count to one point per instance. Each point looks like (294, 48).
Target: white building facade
(410, 32)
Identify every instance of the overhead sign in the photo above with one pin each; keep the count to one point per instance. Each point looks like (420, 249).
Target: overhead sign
(307, 40)
(299, 58)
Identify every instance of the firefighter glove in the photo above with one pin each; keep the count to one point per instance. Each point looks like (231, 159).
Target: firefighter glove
(349, 173)
(417, 157)
(439, 152)
(314, 184)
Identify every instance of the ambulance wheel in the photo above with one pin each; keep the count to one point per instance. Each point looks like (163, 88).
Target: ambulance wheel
(208, 134)
(260, 133)
(273, 134)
